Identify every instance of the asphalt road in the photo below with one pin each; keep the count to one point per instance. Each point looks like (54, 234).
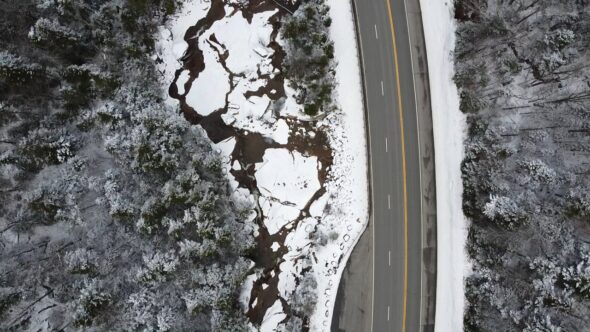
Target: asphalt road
(396, 169)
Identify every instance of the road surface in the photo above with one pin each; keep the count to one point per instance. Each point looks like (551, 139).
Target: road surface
(402, 177)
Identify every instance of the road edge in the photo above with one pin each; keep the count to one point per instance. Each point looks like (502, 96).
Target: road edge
(426, 139)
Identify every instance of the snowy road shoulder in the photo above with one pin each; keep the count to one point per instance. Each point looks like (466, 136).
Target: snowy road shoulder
(348, 190)
(449, 133)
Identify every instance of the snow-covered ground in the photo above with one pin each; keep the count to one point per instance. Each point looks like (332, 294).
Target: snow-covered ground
(348, 191)
(286, 179)
(449, 132)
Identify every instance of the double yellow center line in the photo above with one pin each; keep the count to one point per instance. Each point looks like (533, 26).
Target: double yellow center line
(403, 146)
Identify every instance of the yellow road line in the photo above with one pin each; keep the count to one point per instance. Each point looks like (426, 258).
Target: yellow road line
(402, 134)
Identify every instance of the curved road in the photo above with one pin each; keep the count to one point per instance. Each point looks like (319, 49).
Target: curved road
(395, 165)
(402, 176)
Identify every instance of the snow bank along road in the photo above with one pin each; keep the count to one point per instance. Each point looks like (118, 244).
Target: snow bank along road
(402, 166)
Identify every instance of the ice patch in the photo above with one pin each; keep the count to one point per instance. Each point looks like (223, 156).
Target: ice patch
(181, 81)
(288, 177)
(273, 316)
(207, 94)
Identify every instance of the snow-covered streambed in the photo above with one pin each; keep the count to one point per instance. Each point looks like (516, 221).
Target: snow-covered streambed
(306, 177)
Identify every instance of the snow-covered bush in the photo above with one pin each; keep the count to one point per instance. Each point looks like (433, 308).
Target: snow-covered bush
(542, 325)
(119, 206)
(149, 313)
(294, 323)
(205, 248)
(17, 70)
(91, 300)
(539, 171)
(309, 62)
(578, 277)
(200, 298)
(50, 31)
(304, 299)
(579, 202)
(157, 266)
(80, 260)
(44, 146)
(504, 211)
(155, 136)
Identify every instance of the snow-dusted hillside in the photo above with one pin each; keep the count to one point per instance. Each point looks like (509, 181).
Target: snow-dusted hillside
(523, 76)
(115, 212)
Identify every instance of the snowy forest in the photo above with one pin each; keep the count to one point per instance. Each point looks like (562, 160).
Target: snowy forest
(522, 69)
(115, 211)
